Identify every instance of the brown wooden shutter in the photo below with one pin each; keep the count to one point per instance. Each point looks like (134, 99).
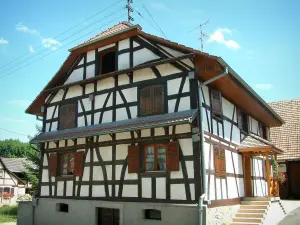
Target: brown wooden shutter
(133, 159)
(239, 118)
(220, 163)
(67, 115)
(158, 99)
(216, 101)
(79, 161)
(145, 101)
(172, 156)
(53, 164)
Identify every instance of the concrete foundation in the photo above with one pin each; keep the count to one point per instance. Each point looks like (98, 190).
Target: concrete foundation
(25, 213)
(85, 212)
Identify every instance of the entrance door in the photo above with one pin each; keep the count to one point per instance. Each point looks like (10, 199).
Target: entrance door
(294, 179)
(108, 216)
(247, 175)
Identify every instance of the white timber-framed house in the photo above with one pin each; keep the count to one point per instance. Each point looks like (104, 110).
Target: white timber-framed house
(123, 141)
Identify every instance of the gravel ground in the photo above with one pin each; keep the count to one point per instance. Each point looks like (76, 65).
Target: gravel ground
(221, 215)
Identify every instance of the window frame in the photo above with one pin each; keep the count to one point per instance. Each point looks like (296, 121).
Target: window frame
(72, 102)
(100, 56)
(216, 116)
(60, 164)
(241, 127)
(165, 100)
(155, 157)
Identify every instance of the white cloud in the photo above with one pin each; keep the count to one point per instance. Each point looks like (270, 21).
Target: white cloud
(219, 37)
(264, 87)
(31, 49)
(3, 41)
(20, 102)
(51, 43)
(160, 6)
(23, 28)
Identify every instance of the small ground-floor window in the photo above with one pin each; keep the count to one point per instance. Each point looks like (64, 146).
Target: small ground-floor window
(108, 216)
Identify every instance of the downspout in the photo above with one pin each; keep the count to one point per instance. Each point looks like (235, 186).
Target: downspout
(202, 216)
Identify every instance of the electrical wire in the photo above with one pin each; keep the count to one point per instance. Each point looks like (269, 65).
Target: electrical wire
(76, 25)
(14, 132)
(5, 75)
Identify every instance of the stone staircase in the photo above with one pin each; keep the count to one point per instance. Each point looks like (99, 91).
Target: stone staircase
(252, 211)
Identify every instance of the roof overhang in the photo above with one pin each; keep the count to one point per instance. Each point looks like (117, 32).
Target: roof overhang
(165, 120)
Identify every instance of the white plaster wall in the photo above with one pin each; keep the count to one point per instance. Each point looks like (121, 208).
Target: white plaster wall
(206, 95)
(44, 190)
(146, 187)
(124, 135)
(130, 190)
(184, 104)
(106, 47)
(130, 94)
(167, 69)
(206, 119)
(183, 128)
(106, 153)
(121, 151)
(97, 173)
(76, 75)
(123, 79)
(50, 112)
(90, 56)
(69, 190)
(58, 97)
(107, 116)
(186, 146)
(90, 71)
(45, 176)
(171, 105)
(178, 192)
(143, 55)
(121, 114)
(124, 44)
(89, 88)
(60, 188)
(98, 191)
(143, 74)
(173, 86)
(84, 191)
(161, 188)
(105, 83)
(123, 61)
(74, 92)
(228, 108)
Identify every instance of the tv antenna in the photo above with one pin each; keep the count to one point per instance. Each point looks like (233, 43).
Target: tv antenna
(202, 34)
(129, 10)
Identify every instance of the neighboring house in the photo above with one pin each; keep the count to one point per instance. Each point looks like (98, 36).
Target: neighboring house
(123, 141)
(12, 182)
(288, 137)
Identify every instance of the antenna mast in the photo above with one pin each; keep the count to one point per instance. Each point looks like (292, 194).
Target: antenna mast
(201, 33)
(129, 10)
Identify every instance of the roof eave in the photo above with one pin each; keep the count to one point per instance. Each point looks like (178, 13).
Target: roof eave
(251, 91)
(103, 38)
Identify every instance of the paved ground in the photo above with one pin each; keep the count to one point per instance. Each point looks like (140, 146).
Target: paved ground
(292, 218)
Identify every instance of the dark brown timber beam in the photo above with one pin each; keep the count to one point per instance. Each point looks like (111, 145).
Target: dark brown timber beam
(119, 72)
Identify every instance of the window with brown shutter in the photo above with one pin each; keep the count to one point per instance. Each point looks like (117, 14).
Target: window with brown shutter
(53, 164)
(220, 163)
(67, 116)
(66, 164)
(79, 164)
(152, 100)
(216, 101)
(242, 119)
(133, 159)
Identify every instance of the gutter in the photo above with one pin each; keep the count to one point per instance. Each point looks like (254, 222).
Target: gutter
(202, 217)
(249, 89)
(105, 37)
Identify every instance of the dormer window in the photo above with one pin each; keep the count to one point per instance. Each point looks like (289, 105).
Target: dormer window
(216, 103)
(108, 62)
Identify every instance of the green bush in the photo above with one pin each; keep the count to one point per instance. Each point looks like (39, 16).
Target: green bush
(9, 210)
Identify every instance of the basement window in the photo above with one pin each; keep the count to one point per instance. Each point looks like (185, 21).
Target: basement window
(152, 214)
(62, 207)
(108, 62)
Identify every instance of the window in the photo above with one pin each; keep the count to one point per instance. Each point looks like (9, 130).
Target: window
(264, 132)
(62, 207)
(216, 103)
(108, 216)
(108, 62)
(152, 214)
(220, 163)
(155, 157)
(242, 118)
(152, 100)
(67, 118)
(66, 164)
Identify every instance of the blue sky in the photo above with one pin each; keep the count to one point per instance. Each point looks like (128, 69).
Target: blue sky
(259, 39)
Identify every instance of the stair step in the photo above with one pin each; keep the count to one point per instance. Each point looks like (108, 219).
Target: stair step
(254, 207)
(256, 198)
(244, 223)
(252, 211)
(245, 219)
(255, 202)
(250, 215)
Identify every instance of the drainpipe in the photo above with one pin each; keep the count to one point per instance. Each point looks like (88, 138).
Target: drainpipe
(202, 217)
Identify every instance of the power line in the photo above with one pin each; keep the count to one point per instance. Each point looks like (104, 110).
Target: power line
(79, 31)
(76, 25)
(60, 47)
(154, 21)
(13, 132)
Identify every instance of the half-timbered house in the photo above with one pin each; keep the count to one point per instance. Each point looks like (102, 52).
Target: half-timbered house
(137, 128)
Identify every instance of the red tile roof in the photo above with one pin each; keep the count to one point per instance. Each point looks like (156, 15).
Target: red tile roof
(288, 135)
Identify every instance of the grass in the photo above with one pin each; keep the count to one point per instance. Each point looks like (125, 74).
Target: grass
(8, 214)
